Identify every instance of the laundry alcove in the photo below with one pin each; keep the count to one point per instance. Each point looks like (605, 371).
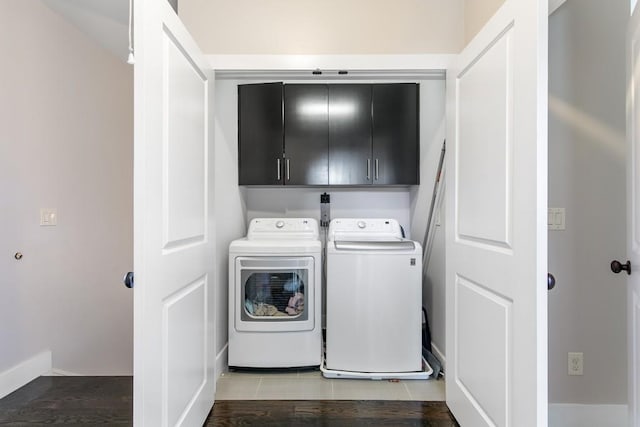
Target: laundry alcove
(224, 207)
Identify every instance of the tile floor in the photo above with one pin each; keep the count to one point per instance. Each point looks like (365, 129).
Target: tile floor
(311, 385)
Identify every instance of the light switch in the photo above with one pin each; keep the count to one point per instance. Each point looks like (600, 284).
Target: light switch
(48, 216)
(555, 218)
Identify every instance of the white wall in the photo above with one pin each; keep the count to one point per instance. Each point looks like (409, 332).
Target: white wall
(65, 142)
(587, 177)
(229, 201)
(325, 27)
(432, 135)
(345, 203)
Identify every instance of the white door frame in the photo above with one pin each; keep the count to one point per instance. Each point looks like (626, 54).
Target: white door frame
(633, 216)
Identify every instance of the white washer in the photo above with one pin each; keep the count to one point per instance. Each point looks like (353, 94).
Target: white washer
(374, 299)
(275, 295)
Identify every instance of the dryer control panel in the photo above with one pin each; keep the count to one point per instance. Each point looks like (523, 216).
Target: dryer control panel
(283, 229)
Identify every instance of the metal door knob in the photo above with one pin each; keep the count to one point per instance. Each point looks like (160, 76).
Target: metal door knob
(551, 281)
(128, 280)
(617, 266)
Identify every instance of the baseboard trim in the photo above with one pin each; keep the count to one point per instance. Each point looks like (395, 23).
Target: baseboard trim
(574, 415)
(437, 353)
(61, 373)
(222, 361)
(24, 372)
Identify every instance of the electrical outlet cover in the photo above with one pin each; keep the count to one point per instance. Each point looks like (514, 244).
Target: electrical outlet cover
(575, 363)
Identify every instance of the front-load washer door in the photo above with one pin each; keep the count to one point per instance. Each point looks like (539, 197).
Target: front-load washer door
(274, 294)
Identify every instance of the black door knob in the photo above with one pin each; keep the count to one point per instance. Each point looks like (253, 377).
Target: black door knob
(551, 281)
(617, 266)
(128, 280)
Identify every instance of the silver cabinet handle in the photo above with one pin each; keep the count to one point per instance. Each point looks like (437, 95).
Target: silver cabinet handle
(368, 169)
(278, 165)
(376, 175)
(287, 166)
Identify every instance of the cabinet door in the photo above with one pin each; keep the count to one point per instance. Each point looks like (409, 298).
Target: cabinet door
(306, 134)
(395, 134)
(260, 134)
(350, 159)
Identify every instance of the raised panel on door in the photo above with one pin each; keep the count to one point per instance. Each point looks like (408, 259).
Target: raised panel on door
(395, 134)
(260, 134)
(349, 134)
(306, 129)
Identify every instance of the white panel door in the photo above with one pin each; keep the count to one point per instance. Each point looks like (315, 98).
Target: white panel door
(173, 223)
(633, 214)
(496, 299)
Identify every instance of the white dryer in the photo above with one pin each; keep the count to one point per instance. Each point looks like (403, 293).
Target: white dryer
(374, 300)
(275, 295)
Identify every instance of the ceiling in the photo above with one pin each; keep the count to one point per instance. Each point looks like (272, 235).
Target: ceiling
(106, 21)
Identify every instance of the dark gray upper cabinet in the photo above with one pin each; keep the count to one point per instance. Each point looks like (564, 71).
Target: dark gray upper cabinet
(350, 134)
(306, 134)
(260, 134)
(396, 154)
(328, 134)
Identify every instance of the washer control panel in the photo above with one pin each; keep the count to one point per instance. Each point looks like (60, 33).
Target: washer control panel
(361, 229)
(283, 229)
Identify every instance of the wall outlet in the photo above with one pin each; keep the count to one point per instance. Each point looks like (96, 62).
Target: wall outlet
(575, 363)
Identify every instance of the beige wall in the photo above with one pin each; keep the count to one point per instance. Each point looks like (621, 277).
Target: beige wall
(476, 14)
(335, 27)
(66, 139)
(325, 27)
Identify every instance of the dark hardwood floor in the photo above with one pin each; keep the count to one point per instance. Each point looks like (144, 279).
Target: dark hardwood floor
(93, 401)
(70, 401)
(329, 413)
